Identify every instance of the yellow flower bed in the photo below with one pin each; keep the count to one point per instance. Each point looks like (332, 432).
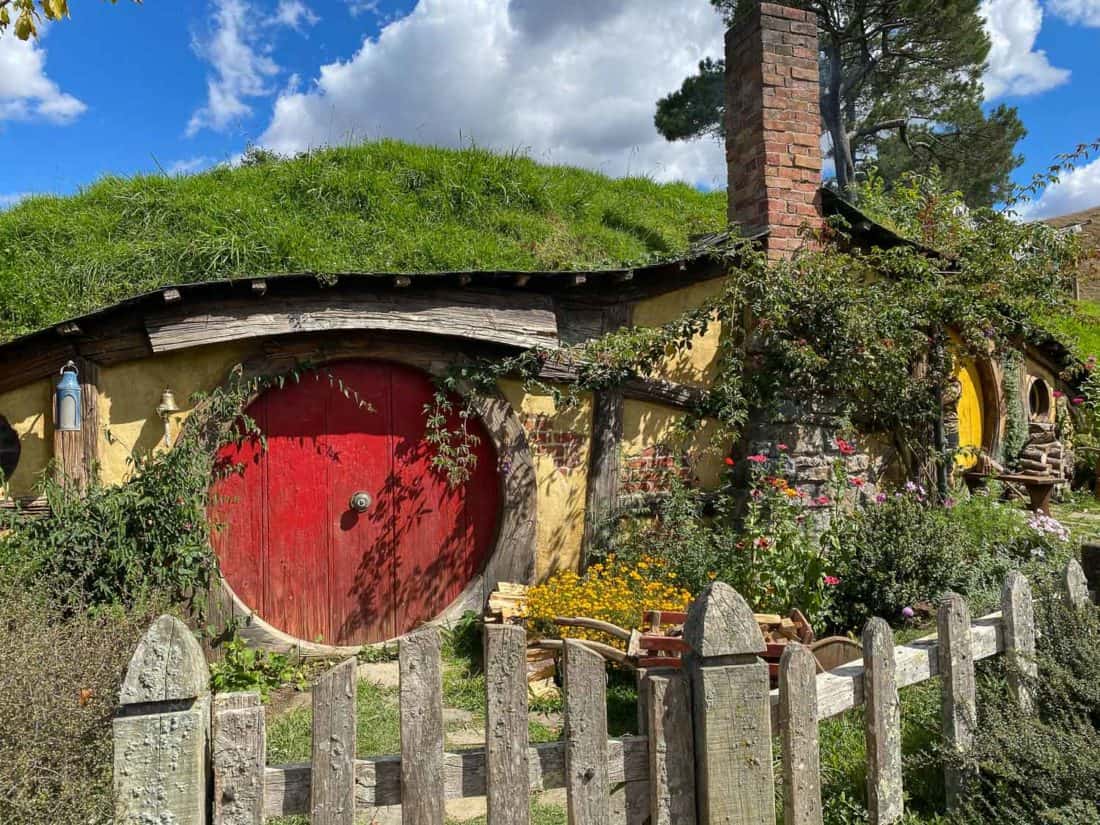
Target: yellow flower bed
(613, 591)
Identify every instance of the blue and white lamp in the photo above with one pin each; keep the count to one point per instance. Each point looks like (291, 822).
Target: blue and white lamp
(68, 399)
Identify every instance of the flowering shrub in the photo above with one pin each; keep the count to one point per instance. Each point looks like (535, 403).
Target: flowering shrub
(611, 590)
(1047, 525)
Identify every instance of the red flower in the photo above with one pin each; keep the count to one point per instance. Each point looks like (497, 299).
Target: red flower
(856, 482)
(759, 458)
(782, 447)
(845, 447)
(762, 542)
(730, 462)
(1078, 401)
(832, 581)
(1058, 393)
(821, 500)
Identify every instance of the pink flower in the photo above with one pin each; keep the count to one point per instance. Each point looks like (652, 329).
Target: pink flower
(832, 581)
(759, 458)
(845, 447)
(856, 482)
(1058, 394)
(880, 498)
(762, 542)
(821, 500)
(782, 447)
(1078, 401)
(908, 612)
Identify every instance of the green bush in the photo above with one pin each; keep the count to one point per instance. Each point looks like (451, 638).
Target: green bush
(245, 668)
(60, 672)
(1043, 768)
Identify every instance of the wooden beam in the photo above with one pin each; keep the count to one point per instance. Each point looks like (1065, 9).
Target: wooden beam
(524, 321)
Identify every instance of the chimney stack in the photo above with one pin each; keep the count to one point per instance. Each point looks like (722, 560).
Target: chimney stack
(773, 125)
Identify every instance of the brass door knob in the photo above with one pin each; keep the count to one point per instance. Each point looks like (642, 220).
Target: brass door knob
(360, 502)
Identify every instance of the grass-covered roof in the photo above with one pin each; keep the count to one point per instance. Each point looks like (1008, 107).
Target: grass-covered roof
(380, 207)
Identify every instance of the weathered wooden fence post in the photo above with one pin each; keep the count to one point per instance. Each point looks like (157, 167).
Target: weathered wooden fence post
(671, 747)
(882, 716)
(239, 756)
(1018, 624)
(162, 733)
(1075, 587)
(507, 773)
(587, 785)
(421, 697)
(798, 735)
(332, 775)
(959, 703)
(732, 711)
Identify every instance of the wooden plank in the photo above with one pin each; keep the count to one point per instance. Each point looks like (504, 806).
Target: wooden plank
(508, 771)
(883, 724)
(798, 736)
(421, 697)
(525, 320)
(89, 430)
(587, 783)
(660, 391)
(1018, 609)
(671, 749)
(239, 754)
(378, 780)
(332, 789)
(959, 689)
(605, 450)
(733, 735)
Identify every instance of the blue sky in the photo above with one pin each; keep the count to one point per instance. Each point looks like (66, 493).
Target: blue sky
(181, 85)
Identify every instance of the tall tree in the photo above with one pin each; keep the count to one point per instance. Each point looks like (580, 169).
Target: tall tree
(900, 86)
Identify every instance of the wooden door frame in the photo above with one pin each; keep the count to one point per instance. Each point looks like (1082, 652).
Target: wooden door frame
(514, 550)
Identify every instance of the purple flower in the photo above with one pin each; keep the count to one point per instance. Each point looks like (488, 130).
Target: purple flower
(880, 498)
(907, 612)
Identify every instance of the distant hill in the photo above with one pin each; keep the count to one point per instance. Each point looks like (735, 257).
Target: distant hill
(379, 207)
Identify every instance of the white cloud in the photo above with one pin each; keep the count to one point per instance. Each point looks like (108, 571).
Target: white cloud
(26, 92)
(10, 199)
(1078, 12)
(1077, 190)
(294, 14)
(240, 56)
(1015, 67)
(572, 82)
(189, 165)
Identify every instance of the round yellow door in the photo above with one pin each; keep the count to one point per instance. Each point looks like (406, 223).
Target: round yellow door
(971, 412)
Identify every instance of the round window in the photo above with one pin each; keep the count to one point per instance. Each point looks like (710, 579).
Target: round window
(1039, 400)
(9, 449)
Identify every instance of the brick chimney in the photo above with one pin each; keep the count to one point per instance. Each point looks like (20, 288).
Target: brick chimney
(773, 124)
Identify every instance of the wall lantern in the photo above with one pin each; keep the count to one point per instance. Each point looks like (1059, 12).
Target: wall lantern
(165, 408)
(67, 412)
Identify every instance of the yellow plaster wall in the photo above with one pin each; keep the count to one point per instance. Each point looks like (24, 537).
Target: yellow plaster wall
(695, 366)
(561, 502)
(648, 425)
(28, 411)
(129, 394)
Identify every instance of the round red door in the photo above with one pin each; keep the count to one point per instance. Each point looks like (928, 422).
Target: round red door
(308, 560)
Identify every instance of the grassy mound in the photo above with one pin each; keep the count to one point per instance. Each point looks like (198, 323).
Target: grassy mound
(384, 206)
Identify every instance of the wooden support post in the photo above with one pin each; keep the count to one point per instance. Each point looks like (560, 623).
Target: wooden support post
(161, 736)
(239, 755)
(1018, 622)
(76, 452)
(801, 756)
(421, 697)
(959, 698)
(332, 775)
(507, 768)
(1075, 587)
(671, 748)
(732, 711)
(882, 716)
(587, 786)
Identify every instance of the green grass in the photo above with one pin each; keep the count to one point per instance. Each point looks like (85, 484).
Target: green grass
(1081, 330)
(381, 206)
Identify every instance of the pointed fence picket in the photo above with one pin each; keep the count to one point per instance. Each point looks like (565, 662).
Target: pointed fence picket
(706, 756)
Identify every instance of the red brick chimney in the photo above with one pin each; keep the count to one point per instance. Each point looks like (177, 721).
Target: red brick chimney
(773, 125)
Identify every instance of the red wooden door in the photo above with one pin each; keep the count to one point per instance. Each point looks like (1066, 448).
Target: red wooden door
(294, 550)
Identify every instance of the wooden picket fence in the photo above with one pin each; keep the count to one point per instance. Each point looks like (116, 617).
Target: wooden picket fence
(706, 757)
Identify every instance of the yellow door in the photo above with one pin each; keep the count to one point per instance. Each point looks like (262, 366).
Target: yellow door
(971, 412)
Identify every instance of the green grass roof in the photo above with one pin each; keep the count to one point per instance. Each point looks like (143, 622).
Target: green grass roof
(384, 206)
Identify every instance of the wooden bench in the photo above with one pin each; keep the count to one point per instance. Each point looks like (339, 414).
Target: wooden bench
(1039, 488)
